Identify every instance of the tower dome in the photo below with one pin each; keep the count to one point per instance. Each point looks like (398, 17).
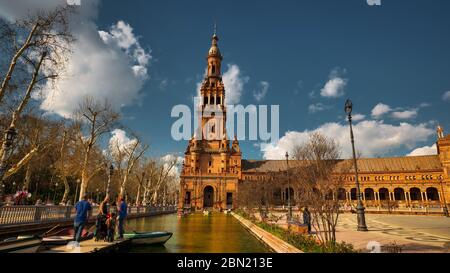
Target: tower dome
(214, 51)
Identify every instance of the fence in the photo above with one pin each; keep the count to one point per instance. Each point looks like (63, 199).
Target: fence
(18, 215)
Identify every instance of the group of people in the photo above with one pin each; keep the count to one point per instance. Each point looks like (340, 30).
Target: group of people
(106, 220)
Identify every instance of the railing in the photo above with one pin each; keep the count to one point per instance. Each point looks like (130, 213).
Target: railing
(17, 215)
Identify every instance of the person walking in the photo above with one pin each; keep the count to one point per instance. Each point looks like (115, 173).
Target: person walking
(83, 209)
(307, 219)
(122, 210)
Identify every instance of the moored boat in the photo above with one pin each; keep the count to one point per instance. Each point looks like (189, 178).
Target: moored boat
(66, 235)
(149, 238)
(21, 244)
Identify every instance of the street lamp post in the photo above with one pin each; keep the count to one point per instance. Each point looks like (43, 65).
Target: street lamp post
(360, 207)
(444, 208)
(9, 136)
(289, 189)
(76, 191)
(54, 194)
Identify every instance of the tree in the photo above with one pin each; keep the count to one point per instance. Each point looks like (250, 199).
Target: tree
(46, 32)
(44, 52)
(318, 182)
(95, 119)
(126, 155)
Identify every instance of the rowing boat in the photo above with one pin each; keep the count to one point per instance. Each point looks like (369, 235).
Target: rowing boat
(21, 244)
(149, 238)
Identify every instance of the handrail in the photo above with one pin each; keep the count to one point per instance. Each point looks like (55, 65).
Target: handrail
(16, 215)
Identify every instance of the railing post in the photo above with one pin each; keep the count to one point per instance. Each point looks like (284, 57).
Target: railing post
(37, 214)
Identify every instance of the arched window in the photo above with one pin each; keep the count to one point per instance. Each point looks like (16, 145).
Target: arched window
(213, 69)
(432, 194)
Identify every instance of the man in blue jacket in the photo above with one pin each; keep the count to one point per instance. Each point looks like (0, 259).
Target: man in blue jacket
(83, 208)
(122, 209)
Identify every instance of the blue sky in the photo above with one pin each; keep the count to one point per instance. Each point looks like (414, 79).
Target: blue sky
(395, 54)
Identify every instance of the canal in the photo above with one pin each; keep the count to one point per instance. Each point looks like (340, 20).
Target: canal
(196, 233)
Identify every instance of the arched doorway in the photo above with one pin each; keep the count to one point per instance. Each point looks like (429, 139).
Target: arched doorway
(289, 194)
(399, 194)
(208, 197)
(415, 194)
(384, 194)
(353, 194)
(369, 194)
(341, 194)
(432, 194)
(277, 196)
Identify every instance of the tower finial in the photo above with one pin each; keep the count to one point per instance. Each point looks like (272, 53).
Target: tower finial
(440, 132)
(215, 28)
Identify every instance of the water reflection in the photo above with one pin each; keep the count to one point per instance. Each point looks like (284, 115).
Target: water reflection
(196, 233)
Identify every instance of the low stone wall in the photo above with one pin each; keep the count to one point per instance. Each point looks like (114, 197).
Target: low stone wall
(275, 243)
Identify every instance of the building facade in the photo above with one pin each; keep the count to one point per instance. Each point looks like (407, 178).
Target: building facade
(214, 171)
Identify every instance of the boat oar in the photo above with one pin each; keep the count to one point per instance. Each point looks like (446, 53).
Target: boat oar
(42, 235)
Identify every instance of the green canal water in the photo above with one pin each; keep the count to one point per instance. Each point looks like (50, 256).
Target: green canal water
(196, 233)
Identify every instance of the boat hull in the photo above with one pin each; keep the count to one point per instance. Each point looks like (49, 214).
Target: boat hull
(151, 238)
(23, 245)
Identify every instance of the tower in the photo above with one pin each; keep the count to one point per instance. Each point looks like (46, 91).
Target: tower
(443, 146)
(212, 167)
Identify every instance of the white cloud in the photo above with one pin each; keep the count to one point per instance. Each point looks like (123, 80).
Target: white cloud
(167, 159)
(335, 86)
(426, 150)
(446, 96)
(234, 83)
(358, 117)
(12, 10)
(104, 65)
(262, 92)
(121, 35)
(318, 107)
(120, 142)
(380, 109)
(372, 138)
(407, 114)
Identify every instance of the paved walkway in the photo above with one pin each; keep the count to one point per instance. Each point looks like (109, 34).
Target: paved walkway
(413, 233)
(278, 245)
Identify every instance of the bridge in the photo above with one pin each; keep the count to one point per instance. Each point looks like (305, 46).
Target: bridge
(25, 219)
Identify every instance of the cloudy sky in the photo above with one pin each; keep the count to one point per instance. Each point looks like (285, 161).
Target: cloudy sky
(305, 56)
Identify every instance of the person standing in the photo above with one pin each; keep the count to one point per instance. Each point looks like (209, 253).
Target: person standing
(307, 219)
(83, 209)
(122, 209)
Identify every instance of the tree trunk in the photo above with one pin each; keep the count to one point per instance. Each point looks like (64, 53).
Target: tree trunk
(14, 60)
(138, 195)
(124, 185)
(26, 182)
(63, 170)
(84, 175)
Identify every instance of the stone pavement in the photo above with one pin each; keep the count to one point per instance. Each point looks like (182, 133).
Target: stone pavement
(412, 233)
